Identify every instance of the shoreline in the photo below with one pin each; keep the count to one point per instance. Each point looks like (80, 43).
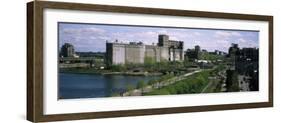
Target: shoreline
(111, 73)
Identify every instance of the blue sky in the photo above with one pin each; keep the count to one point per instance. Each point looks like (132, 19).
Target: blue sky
(92, 37)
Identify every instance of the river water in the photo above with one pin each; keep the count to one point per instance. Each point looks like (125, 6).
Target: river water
(72, 86)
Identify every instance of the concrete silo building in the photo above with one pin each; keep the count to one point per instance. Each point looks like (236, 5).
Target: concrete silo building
(139, 53)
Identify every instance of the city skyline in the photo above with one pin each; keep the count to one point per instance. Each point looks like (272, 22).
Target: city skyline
(93, 37)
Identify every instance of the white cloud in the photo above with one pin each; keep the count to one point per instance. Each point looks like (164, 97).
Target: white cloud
(226, 35)
(241, 40)
(236, 34)
(197, 33)
(93, 30)
(246, 43)
(219, 34)
(163, 31)
(83, 31)
(174, 38)
(95, 37)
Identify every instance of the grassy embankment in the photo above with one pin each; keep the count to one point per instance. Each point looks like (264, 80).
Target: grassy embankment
(216, 82)
(192, 84)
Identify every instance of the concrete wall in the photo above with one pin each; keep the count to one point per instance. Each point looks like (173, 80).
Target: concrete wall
(118, 54)
(135, 54)
(152, 52)
(178, 55)
(164, 53)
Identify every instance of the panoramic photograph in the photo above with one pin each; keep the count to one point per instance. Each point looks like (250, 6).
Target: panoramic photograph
(106, 60)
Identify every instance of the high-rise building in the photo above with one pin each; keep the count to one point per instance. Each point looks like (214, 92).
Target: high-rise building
(197, 48)
(233, 50)
(192, 54)
(67, 50)
(163, 40)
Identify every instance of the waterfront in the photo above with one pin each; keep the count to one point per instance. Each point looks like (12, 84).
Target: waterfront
(155, 64)
(73, 86)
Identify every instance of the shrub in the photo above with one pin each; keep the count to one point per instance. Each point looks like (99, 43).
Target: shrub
(191, 84)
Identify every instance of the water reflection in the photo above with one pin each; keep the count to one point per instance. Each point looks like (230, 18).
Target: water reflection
(73, 86)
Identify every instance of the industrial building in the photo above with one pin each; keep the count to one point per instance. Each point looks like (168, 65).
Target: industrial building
(139, 53)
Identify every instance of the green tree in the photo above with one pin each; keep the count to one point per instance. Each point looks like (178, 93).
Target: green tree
(140, 85)
(129, 87)
(118, 68)
(232, 84)
(191, 84)
(152, 81)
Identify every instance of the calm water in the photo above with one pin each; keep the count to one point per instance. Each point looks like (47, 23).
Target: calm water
(90, 86)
